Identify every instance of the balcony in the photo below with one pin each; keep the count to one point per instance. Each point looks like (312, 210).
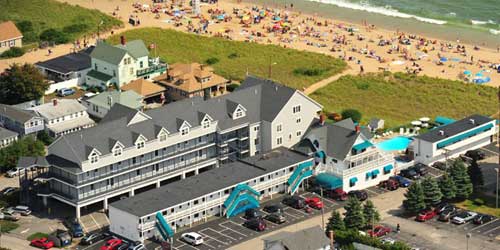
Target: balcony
(377, 159)
(160, 68)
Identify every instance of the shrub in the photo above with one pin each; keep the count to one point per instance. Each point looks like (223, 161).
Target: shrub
(44, 137)
(75, 28)
(478, 201)
(233, 55)
(12, 52)
(308, 72)
(212, 60)
(24, 26)
(53, 35)
(354, 114)
(232, 87)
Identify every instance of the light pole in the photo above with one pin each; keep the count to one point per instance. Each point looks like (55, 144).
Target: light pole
(496, 191)
(322, 208)
(467, 236)
(271, 68)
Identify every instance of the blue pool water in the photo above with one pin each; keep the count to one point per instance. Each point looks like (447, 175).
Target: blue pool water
(396, 143)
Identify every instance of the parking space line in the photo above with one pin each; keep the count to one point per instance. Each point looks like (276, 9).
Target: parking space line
(486, 232)
(210, 237)
(371, 191)
(490, 151)
(205, 243)
(218, 233)
(230, 229)
(480, 226)
(91, 216)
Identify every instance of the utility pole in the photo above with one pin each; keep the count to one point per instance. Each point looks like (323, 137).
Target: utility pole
(322, 209)
(497, 171)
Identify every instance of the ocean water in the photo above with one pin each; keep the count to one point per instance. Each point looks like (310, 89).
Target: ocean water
(474, 22)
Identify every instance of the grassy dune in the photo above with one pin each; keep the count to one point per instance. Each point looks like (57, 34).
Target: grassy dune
(233, 59)
(400, 98)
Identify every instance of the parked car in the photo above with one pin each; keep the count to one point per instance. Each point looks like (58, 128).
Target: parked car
(14, 172)
(43, 243)
(65, 92)
(61, 238)
(359, 194)
(463, 217)
(443, 206)
(296, 202)
(123, 246)
(276, 218)
(402, 182)
(111, 244)
(379, 231)
(192, 238)
(336, 194)
(252, 213)
(8, 190)
(426, 215)
(388, 240)
(389, 184)
(256, 224)
(76, 229)
(13, 217)
(275, 208)
(476, 154)
(92, 238)
(11, 212)
(421, 169)
(23, 210)
(314, 202)
(483, 218)
(137, 246)
(446, 215)
(409, 173)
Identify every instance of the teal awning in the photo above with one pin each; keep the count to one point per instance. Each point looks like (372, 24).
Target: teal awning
(353, 180)
(375, 172)
(388, 168)
(444, 120)
(463, 136)
(320, 154)
(328, 181)
(369, 174)
(361, 146)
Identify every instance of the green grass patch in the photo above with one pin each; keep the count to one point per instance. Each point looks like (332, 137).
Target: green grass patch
(400, 98)
(481, 204)
(35, 16)
(8, 226)
(232, 59)
(37, 235)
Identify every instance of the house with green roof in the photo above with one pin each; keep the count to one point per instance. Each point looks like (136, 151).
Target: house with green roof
(120, 64)
(99, 105)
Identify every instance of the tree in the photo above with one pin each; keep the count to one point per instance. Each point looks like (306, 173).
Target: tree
(24, 147)
(371, 214)
(354, 114)
(53, 35)
(447, 186)
(461, 179)
(432, 192)
(21, 83)
(354, 218)
(44, 137)
(335, 222)
(476, 176)
(414, 198)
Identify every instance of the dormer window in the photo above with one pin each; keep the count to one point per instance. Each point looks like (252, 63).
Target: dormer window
(162, 137)
(238, 114)
(117, 151)
(94, 158)
(206, 123)
(184, 131)
(140, 144)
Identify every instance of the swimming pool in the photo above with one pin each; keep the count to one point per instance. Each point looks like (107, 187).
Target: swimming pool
(396, 143)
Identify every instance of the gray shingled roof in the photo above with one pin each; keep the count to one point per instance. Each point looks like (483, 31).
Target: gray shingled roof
(454, 128)
(5, 133)
(207, 182)
(71, 62)
(16, 114)
(62, 108)
(312, 238)
(262, 102)
(30, 161)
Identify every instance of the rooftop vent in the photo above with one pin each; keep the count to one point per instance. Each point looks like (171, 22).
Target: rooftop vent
(441, 132)
(472, 121)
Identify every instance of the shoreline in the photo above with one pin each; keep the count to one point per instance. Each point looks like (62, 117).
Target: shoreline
(447, 32)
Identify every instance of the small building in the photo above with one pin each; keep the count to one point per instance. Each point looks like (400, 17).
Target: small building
(7, 137)
(193, 79)
(64, 116)
(312, 238)
(151, 92)
(10, 36)
(66, 71)
(23, 122)
(453, 139)
(120, 64)
(99, 105)
(375, 124)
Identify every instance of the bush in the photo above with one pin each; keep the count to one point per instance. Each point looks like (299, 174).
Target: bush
(354, 114)
(75, 28)
(308, 72)
(8, 226)
(44, 137)
(53, 35)
(37, 235)
(478, 201)
(233, 56)
(24, 26)
(232, 87)
(12, 52)
(212, 60)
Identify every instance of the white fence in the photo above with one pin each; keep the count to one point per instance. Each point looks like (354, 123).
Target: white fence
(59, 85)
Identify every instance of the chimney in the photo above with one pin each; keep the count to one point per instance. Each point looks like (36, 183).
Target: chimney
(358, 128)
(122, 40)
(54, 102)
(441, 132)
(472, 121)
(322, 119)
(331, 236)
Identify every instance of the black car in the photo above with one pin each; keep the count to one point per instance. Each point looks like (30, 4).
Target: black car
(92, 238)
(276, 218)
(483, 218)
(421, 169)
(443, 206)
(447, 214)
(475, 155)
(409, 173)
(257, 224)
(295, 202)
(361, 195)
(252, 213)
(276, 208)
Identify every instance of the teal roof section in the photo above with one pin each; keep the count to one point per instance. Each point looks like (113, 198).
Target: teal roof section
(329, 181)
(99, 75)
(375, 172)
(388, 168)
(363, 145)
(241, 204)
(126, 98)
(303, 176)
(353, 180)
(444, 120)
(163, 227)
(463, 136)
(368, 175)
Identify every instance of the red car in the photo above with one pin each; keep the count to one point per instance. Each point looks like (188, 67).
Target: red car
(337, 194)
(426, 215)
(314, 202)
(111, 244)
(379, 231)
(43, 243)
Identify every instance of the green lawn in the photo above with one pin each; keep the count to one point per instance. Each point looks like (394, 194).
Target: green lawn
(37, 235)
(400, 98)
(294, 68)
(487, 206)
(8, 226)
(45, 14)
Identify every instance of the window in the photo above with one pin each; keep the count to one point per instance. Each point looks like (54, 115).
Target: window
(140, 144)
(279, 140)
(256, 128)
(296, 109)
(206, 123)
(279, 128)
(131, 71)
(114, 73)
(299, 120)
(163, 137)
(256, 141)
(184, 131)
(91, 186)
(94, 158)
(299, 133)
(141, 64)
(117, 151)
(238, 114)
(12, 43)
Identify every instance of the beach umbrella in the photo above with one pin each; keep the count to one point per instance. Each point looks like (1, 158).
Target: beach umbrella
(220, 17)
(425, 119)
(467, 72)
(480, 74)
(443, 59)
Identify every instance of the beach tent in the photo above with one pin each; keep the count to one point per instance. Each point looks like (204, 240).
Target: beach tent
(443, 59)
(467, 72)
(481, 80)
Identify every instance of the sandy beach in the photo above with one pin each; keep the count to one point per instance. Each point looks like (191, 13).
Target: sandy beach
(366, 48)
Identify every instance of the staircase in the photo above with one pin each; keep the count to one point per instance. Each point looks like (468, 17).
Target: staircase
(163, 227)
(303, 171)
(243, 197)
